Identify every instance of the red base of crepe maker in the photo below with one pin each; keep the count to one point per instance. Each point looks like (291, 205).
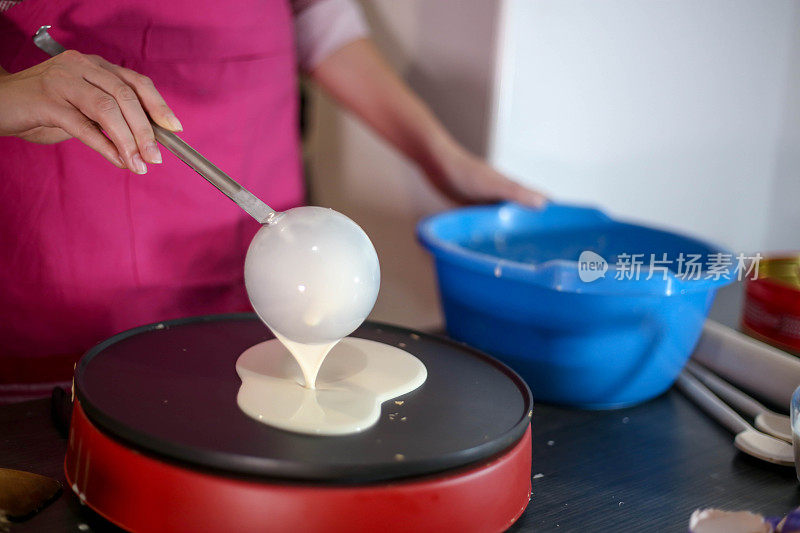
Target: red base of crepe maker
(140, 492)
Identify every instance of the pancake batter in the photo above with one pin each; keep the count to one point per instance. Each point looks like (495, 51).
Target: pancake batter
(357, 377)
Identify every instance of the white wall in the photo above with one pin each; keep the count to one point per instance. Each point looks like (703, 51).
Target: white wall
(445, 50)
(682, 113)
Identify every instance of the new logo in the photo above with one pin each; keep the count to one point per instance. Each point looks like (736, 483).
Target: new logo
(591, 266)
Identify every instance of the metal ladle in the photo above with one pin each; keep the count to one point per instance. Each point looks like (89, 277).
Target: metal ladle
(312, 274)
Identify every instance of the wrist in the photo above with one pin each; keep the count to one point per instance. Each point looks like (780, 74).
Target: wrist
(439, 153)
(446, 158)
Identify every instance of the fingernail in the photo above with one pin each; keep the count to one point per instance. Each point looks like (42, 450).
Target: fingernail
(152, 151)
(175, 123)
(138, 164)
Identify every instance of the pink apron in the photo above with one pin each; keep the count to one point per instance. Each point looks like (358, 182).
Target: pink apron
(87, 250)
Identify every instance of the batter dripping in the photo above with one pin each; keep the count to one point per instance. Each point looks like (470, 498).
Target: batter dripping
(357, 376)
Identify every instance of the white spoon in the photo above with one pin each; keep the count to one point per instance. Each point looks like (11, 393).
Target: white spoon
(766, 420)
(748, 439)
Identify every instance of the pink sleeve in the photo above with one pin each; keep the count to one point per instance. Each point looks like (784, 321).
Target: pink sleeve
(324, 26)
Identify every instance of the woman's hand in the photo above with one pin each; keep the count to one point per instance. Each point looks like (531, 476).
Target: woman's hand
(469, 179)
(83, 96)
(359, 78)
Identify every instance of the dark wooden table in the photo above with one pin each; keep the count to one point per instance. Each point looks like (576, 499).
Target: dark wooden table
(645, 468)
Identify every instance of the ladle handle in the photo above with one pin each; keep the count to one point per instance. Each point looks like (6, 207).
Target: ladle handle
(216, 177)
(252, 205)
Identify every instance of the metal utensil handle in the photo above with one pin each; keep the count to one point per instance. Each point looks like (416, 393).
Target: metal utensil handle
(726, 391)
(252, 205)
(227, 185)
(47, 44)
(711, 404)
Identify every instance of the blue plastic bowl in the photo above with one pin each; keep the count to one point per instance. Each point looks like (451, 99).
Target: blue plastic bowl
(510, 285)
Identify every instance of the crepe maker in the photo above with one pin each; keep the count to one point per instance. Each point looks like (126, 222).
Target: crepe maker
(158, 443)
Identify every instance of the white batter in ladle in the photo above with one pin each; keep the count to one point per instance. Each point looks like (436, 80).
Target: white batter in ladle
(311, 273)
(312, 276)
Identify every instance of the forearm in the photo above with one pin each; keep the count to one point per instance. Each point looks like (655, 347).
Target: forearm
(359, 78)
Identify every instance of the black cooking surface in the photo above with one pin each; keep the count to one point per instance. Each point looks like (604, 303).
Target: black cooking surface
(170, 390)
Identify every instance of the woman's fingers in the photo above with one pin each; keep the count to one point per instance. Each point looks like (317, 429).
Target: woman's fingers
(131, 109)
(103, 109)
(522, 195)
(66, 80)
(103, 105)
(79, 126)
(487, 183)
(150, 98)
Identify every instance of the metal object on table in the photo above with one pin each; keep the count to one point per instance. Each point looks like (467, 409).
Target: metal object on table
(748, 439)
(251, 204)
(765, 419)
